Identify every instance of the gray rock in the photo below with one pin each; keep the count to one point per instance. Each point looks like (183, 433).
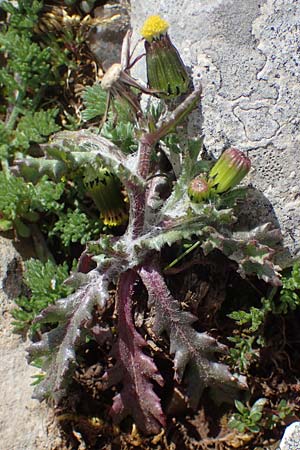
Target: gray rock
(105, 40)
(291, 437)
(246, 54)
(24, 422)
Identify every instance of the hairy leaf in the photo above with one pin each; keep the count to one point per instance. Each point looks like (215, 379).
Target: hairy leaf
(193, 352)
(88, 148)
(133, 368)
(252, 256)
(193, 224)
(178, 202)
(58, 346)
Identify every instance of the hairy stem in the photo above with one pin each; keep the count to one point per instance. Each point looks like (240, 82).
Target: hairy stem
(133, 367)
(124, 304)
(178, 114)
(147, 142)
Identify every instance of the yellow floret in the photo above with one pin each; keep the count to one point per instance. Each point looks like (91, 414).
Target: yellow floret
(153, 27)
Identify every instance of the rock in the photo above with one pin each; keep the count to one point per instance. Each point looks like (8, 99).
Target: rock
(291, 437)
(105, 40)
(24, 422)
(246, 56)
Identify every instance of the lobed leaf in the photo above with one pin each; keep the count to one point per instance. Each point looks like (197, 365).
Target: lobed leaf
(193, 224)
(88, 148)
(133, 368)
(58, 346)
(252, 256)
(193, 351)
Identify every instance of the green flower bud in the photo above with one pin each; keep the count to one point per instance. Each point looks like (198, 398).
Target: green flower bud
(165, 69)
(106, 192)
(198, 189)
(232, 166)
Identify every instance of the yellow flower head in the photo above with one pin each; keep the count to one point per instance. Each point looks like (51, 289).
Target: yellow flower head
(154, 27)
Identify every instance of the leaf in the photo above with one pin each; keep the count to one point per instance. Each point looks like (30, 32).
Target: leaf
(90, 148)
(33, 169)
(178, 202)
(133, 368)
(193, 224)
(235, 423)
(252, 256)
(121, 134)
(58, 346)
(241, 407)
(255, 416)
(193, 351)
(253, 428)
(45, 282)
(75, 226)
(37, 126)
(259, 405)
(22, 229)
(5, 225)
(94, 100)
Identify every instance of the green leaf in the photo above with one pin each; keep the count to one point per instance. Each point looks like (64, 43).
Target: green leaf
(241, 407)
(5, 225)
(236, 424)
(259, 404)
(22, 229)
(255, 416)
(45, 283)
(36, 127)
(76, 226)
(94, 100)
(121, 134)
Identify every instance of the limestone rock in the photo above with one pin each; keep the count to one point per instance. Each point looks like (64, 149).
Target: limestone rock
(291, 437)
(24, 422)
(105, 40)
(246, 55)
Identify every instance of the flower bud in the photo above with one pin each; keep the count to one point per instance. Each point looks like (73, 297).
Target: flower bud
(106, 192)
(232, 166)
(165, 70)
(198, 189)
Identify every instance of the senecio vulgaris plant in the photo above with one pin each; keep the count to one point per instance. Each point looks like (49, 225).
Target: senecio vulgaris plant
(201, 205)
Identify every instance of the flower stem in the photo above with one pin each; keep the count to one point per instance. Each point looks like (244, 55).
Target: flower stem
(147, 142)
(180, 257)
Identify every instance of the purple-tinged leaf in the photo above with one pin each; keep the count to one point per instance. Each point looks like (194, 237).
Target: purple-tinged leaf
(133, 368)
(194, 352)
(248, 250)
(58, 346)
(85, 263)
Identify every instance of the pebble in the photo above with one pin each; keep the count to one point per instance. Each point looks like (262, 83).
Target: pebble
(291, 437)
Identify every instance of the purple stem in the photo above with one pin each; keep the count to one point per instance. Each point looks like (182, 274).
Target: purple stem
(147, 142)
(124, 305)
(138, 196)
